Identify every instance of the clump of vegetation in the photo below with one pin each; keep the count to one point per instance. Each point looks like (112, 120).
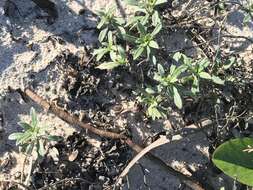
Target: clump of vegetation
(135, 41)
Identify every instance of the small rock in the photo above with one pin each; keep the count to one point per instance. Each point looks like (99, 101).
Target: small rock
(73, 156)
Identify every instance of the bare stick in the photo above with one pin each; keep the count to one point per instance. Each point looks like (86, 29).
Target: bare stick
(192, 183)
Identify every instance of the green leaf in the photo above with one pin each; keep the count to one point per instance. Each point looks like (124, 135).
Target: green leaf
(113, 56)
(158, 2)
(229, 63)
(133, 21)
(101, 23)
(100, 53)
(144, 19)
(141, 28)
(154, 113)
(195, 85)
(153, 44)
(102, 34)
(15, 136)
(160, 69)
(40, 147)
(121, 51)
(132, 2)
(150, 91)
(246, 19)
(154, 60)
(148, 52)
(121, 31)
(129, 38)
(177, 56)
(108, 65)
(156, 19)
(27, 148)
(157, 29)
(205, 75)
(177, 98)
(177, 71)
(119, 20)
(25, 138)
(25, 126)
(137, 53)
(110, 39)
(204, 63)
(53, 138)
(34, 117)
(234, 160)
(217, 80)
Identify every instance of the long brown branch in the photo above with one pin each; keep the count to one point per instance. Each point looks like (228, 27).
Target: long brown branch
(192, 183)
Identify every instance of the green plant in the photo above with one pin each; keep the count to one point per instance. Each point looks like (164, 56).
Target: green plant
(153, 101)
(196, 70)
(235, 158)
(32, 140)
(118, 58)
(169, 82)
(107, 47)
(147, 8)
(173, 84)
(108, 22)
(116, 31)
(34, 137)
(145, 42)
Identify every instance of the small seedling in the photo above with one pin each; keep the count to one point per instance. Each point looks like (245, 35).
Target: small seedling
(34, 137)
(118, 59)
(196, 71)
(107, 48)
(152, 100)
(32, 140)
(147, 8)
(169, 82)
(145, 42)
(109, 22)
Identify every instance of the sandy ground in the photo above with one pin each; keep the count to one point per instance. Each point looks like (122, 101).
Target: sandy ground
(27, 61)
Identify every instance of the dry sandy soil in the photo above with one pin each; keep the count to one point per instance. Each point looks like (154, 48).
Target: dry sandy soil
(26, 57)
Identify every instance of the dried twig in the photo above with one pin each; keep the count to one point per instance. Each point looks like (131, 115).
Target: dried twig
(192, 183)
(162, 140)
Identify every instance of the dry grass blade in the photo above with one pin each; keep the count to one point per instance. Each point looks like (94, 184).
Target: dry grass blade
(161, 141)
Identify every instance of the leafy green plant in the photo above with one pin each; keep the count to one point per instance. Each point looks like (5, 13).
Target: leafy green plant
(107, 48)
(32, 140)
(118, 58)
(169, 82)
(147, 8)
(196, 70)
(116, 30)
(173, 85)
(152, 100)
(235, 158)
(108, 22)
(145, 42)
(34, 137)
